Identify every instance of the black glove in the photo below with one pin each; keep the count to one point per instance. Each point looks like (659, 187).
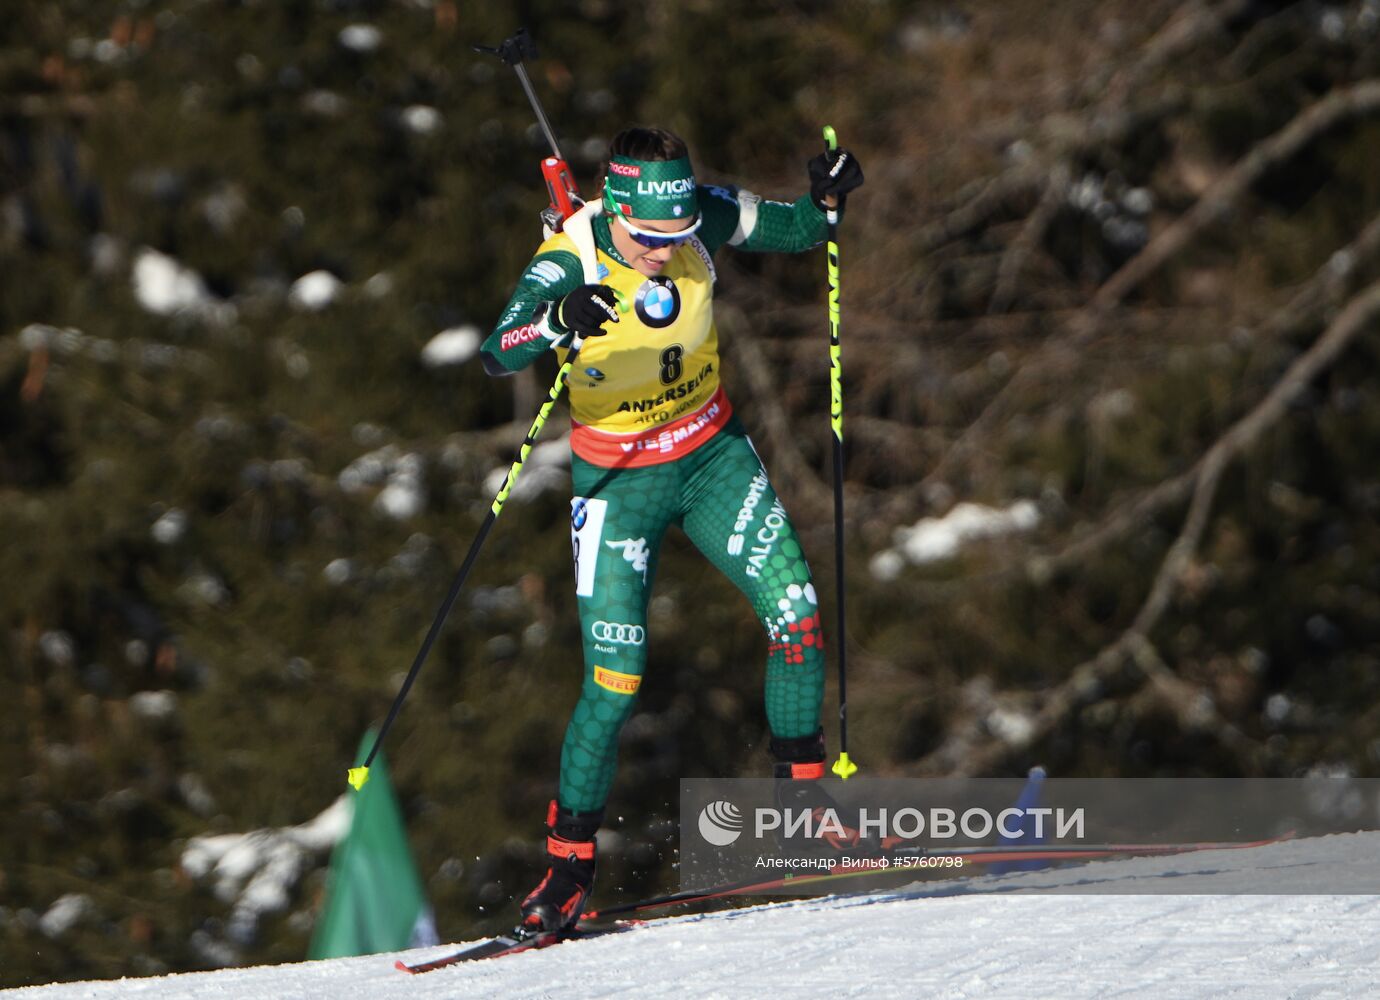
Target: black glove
(835, 172)
(585, 310)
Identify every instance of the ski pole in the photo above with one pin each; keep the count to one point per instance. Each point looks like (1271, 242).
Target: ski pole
(561, 187)
(560, 183)
(357, 776)
(843, 767)
(513, 50)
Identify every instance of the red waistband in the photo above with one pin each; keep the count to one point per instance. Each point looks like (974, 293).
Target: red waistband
(666, 443)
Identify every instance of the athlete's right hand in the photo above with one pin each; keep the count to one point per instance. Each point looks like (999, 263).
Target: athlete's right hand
(585, 310)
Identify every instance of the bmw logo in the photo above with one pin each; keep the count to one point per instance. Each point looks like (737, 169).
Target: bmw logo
(579, 511)
(658, 302)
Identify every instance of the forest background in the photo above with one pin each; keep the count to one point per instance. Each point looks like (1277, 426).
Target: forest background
(1110, 296)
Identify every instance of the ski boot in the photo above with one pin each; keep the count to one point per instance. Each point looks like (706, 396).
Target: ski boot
(799, 771)
(557, 903)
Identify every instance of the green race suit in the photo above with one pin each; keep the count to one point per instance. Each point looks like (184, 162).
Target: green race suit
(656, 443)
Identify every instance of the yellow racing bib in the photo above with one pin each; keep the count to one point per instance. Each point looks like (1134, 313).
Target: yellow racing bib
(643, 393)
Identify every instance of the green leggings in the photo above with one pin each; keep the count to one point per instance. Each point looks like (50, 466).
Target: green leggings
(720, 495)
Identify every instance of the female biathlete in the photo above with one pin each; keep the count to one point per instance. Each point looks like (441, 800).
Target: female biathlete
(655, 442)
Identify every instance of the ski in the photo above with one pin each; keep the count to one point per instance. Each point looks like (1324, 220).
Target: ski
(970, 855)
(513, 943)
(494, 947)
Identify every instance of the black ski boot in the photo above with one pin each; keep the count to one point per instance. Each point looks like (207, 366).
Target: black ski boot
(556, 904)
(798, 769)
(798, 772)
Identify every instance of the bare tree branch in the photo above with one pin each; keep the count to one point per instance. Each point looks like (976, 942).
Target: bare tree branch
(1191, 705)
(1360, 315)
(994, 195)
(1029, 239)
(1325, 288)
(1191, 26)
(786, 453)
(1362, 99)
(1338, 106)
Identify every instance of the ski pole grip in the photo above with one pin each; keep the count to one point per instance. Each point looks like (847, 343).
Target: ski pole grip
(577, 341)
(513, 49)
(831, 143)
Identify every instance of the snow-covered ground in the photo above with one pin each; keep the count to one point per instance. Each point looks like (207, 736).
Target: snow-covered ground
(977, 938)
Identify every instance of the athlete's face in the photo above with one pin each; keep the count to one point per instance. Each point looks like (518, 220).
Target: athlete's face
(642, 259)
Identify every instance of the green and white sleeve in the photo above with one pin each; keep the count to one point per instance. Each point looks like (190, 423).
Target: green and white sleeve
(525, 332)
(737, 218)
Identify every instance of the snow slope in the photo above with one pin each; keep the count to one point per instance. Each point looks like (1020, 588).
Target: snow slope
(977, 938)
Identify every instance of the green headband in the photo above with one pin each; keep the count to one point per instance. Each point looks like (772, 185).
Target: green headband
(651, 189)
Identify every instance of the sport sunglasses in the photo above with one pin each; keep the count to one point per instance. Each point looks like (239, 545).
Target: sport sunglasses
(650, 238)
(653, 240)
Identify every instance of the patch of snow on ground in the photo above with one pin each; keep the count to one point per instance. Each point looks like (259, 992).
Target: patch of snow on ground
(452, 347)
(934, 539)
(259, 869)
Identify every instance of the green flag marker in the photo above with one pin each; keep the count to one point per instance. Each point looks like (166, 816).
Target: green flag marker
(374, 896)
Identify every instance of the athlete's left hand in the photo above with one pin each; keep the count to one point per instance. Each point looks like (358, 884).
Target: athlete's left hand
(834, 174)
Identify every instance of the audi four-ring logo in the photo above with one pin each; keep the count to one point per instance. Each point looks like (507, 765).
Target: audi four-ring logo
(628, 635)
